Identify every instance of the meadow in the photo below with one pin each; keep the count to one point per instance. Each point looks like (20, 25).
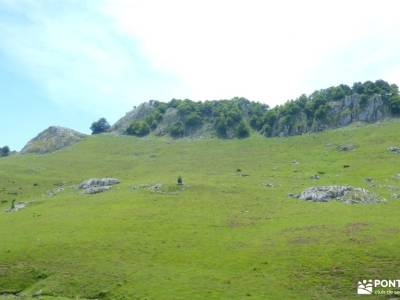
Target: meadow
(226, 234)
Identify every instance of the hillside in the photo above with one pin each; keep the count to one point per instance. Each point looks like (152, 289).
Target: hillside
(225, 234)
(324, 109)
(52, 139)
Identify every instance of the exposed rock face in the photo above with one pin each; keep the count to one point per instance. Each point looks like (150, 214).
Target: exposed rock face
(341, 113)
(138, 113)
(52, 139)
(346, 194)
(98, 185)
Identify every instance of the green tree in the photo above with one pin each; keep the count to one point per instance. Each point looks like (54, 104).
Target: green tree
(100, 126)
(221, 127)
(4, 151)
(193, 120)
(242, 131)
(176, 130)
(395, 104)
(138, 128)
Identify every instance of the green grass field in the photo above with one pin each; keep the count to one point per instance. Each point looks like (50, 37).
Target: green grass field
(223, 236)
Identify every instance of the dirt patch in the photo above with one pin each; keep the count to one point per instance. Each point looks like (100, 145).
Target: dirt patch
(302, 241)
(355, 228)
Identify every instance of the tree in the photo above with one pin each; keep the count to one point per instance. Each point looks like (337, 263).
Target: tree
(242, 131)
(100, 126)
(221, 127)
(138, 128)
(322, 112)
(395, 104)
(193, 120)
(4, 151)
(176, 130)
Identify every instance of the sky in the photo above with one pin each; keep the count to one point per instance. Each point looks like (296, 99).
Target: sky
(70, 62)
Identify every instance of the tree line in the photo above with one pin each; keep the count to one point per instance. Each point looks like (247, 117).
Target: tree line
(237, 117)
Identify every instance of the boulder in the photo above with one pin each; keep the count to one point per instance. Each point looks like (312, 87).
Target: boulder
(98, 185)
(394, 149)
(343, 193)
(96, 189)
(346, 147)
(96, 182)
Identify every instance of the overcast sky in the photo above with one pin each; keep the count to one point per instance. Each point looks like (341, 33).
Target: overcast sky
(69, 62)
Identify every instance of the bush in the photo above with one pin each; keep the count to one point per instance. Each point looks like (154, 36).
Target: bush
(266, 130)
(242, 131)
(176, 130)
(138, 128)
(193, 120)
(395, 104)
(221, 127)
(100, 126)
(4, 151)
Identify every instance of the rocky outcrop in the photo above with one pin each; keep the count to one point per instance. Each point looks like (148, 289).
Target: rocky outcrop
(137, 113)
(52, 139)
(97, 185)
(340, 113)
(346, 194)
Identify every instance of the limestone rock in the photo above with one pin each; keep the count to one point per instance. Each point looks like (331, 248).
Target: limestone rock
(394, 149)
(97, 185)
(346, 194)
(52, 139)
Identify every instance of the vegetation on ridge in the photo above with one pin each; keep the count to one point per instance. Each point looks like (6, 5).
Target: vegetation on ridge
(233, 118)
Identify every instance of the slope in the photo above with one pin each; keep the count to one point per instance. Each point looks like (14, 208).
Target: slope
(224, 235)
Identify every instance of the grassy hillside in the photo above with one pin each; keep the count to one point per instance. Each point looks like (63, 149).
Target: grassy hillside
(222, 236)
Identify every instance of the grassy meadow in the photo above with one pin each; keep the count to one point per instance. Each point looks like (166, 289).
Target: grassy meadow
(223, 235)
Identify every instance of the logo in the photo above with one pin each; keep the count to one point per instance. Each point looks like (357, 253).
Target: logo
(378, 287)
(365, 287)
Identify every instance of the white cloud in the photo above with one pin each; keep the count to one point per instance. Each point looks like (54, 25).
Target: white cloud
(265, 50)
(77, 58)
(97, 54)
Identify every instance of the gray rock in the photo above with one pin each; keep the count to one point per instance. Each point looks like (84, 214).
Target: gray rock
(138, 113)
(96, 189)
(346, 194)
(346, 147)
(324, 193)
(52, 139)
(341, 113)
(394, 149)
(291, 195)
(315, 177)
(96, 182)
(98, 185)
(369, 179)
(17, 207)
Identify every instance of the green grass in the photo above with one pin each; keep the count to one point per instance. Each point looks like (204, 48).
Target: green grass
(223, 236)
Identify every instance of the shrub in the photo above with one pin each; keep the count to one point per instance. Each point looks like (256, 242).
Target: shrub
(221, 127)
(242, 131)
(176, 130)
(138, 128)
(4, 151)
(395, 104)
(193, 120)
(100, 126)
